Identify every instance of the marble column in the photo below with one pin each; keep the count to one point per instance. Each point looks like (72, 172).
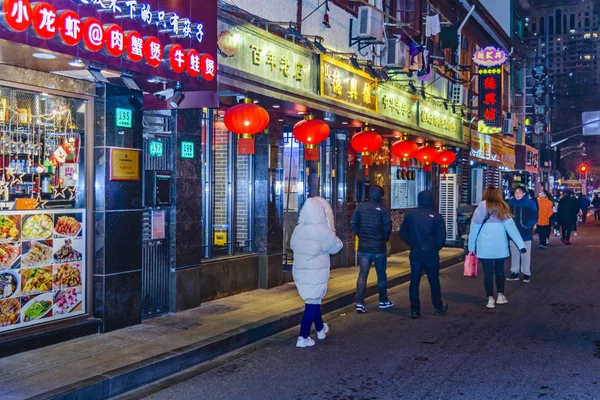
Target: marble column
(117, 273)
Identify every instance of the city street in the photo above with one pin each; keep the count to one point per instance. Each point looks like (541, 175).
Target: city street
(544, 344)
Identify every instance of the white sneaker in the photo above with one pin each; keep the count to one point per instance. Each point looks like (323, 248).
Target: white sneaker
(322, 334)
(308, 342)
(491, 302)
(501, 299)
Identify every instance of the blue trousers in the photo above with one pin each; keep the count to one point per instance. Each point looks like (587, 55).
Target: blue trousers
(365, 260)
(433, 275)
(312, 313)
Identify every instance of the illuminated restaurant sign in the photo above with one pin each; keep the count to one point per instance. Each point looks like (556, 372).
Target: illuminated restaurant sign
(490, 61)
(71, 29)
(343, 83)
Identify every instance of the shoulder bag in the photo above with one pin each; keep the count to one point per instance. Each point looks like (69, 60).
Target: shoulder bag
(471, 261)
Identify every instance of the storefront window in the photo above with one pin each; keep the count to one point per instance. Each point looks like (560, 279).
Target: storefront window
(406, 185)
(42, 217)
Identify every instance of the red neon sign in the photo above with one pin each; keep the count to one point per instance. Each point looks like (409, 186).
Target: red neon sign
(176, 60)
(44, 20)
(153, 51)
(93, 34)
(17, 14)
(70, 28)
(114, 39)
(192, 63)
(208, 67)
(134, 46)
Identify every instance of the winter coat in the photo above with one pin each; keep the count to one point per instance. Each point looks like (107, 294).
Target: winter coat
(568, 208)
(312, 242)
(372, 223)
(596, 202)
(424, 230)
(584, 203)
(525, 216)
(492, 242)
(545, 207)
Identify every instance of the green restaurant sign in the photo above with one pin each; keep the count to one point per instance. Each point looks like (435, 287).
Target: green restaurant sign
(187, 149)
(123, 118)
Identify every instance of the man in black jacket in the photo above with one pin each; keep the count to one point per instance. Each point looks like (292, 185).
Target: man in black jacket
(372, 223)
(424, 230)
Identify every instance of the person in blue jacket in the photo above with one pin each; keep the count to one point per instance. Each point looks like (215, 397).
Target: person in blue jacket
(491, 223)
(584, 206)
(525, 215)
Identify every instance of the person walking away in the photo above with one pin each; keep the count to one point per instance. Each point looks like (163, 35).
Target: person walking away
(491, 226)
(596, 205)
(568, 207)
(424, 230)
(313, 241)
(525, 217)
(372, 223)
(554, 219)
(545, 212)
(584, 206)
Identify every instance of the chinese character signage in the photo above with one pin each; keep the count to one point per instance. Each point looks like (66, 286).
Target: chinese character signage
(397, 105)
(341, 82)
(540, 90)
(490, 100)
(124, 164)
(440, 122)
(116, 32)
(490, 57)
(263, 56)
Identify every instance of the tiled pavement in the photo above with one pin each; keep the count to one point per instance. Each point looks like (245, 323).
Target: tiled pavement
(103, 365)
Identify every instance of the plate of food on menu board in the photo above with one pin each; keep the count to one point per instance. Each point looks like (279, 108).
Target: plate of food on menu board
(39, 254)
(66, 300)
(67, 226)
(67, 253)
(10, 312)
(36, 307)
(38, 226)
(9, 254)
(36, 280)
(9, 284)
(67, 276)
(9, 228)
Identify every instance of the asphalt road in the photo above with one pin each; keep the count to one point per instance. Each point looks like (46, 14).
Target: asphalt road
(544, 344)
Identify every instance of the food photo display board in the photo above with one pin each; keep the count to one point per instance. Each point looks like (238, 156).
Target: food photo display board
(42, 267)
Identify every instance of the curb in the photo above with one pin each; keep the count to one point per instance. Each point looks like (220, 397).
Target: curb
(121, 380)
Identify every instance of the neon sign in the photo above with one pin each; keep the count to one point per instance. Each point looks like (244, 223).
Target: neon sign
(490, 57)
(490, 100)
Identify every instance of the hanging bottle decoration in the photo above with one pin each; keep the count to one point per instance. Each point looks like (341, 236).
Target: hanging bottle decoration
(311, 132)
(404, 150)
(426, 155)
(444, 159)
(246, 120)
(366, 143)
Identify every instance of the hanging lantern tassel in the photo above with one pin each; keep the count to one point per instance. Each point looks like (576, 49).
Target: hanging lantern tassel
(366, 159)
(427, 167)
(311, 152)
(245, 144)
(246, 120)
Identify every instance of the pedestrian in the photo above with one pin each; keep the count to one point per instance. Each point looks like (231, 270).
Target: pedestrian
(554, 219)
(596, 205)
(584, 206)
(525, 217)
(545, 212)
(531, 195)
(372, 223)
(313, 241)
(568, 208)
(424, 230)
(491, 225)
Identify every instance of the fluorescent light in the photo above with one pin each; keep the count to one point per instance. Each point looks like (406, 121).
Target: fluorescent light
(276, 106)
(344, 123)
(77, 62)
(44, 56)
(280, 120)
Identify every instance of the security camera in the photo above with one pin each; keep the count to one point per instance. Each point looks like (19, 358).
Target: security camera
(164, 94)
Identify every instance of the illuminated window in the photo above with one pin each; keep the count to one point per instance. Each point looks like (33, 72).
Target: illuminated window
(588, 57)
(595, 34)
(587, 35)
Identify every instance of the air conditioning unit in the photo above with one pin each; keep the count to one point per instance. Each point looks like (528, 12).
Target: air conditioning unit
(457, 92)
(507, 125)
(396, 54)
(370, 23)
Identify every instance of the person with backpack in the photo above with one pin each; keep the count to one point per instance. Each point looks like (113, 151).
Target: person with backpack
(372, 223)
(312, 242)
(491, 225)
(525, 215)
(424, 230)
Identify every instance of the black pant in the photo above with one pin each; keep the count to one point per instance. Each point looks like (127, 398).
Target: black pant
(596, 214)
(566, 230)
(584, 212)
(433, 275)
(493, 266)
(544, 234)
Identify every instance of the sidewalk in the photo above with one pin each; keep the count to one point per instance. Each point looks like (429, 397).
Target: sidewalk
(104, 365)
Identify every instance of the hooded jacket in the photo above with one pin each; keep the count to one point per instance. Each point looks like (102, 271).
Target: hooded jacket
(424, 230)
(525, 216)
(545, 211)
(372, 223)
(312, 242)
(568, 208)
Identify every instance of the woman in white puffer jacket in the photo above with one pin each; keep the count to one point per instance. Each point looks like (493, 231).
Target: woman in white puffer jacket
(313, 241)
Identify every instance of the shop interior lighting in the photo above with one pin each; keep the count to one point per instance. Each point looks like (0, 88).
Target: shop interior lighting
(44, 56)
(135, 103)
(97, 74)
(77, 62)
(129, 82)
(354, 62)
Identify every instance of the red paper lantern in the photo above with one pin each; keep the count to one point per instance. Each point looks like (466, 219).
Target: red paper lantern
(366, 143)
(311, 132)
(245, 120)
(444, 159)
(426, 155)
(404, 150)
